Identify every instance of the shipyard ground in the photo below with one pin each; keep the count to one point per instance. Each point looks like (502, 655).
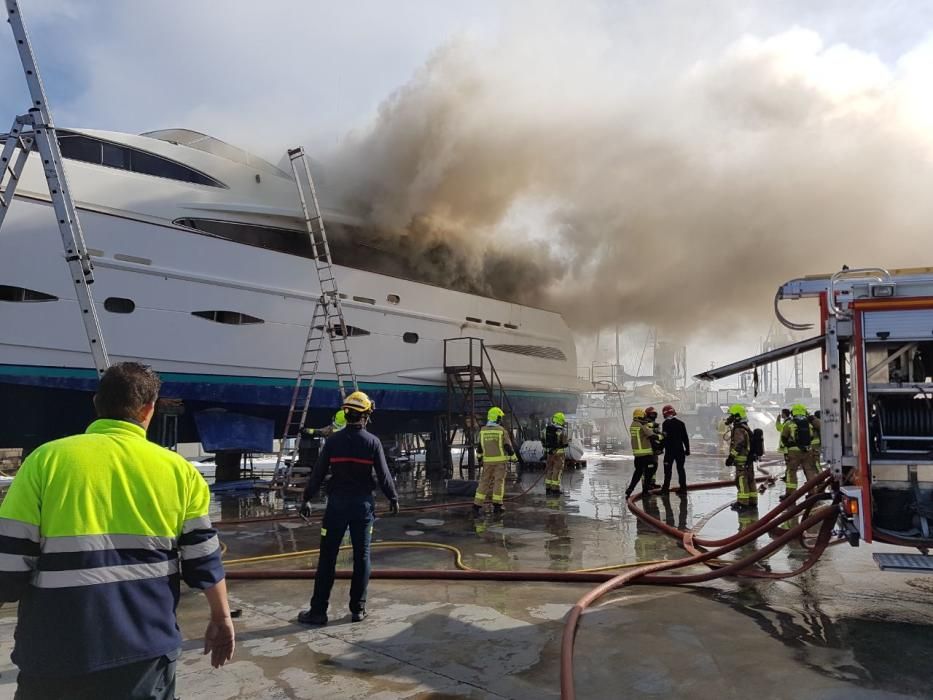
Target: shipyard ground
(842, 630)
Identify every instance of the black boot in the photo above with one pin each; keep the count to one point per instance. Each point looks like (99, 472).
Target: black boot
(477, 510)
(358, 615)
(312, 617)
(497, 509)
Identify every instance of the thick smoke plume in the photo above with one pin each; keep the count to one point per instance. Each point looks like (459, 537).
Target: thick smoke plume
(680, 198)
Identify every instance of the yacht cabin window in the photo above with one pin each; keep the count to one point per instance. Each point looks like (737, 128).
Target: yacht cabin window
(112, 155)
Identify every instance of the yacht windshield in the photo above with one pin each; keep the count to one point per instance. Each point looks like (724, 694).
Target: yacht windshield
(216, 147)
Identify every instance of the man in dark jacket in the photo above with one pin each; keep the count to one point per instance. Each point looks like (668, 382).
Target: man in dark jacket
(350, 457)
(676, 448)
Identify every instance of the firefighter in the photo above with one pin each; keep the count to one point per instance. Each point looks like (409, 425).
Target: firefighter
(797, 438)
(350, 456)
(816, 440)
(740, 442)
(657, 447)
(555, 440)
(641, 434)
(495, 447)
(779, 423)
(307, 447)
(676, 448)
(337, 424)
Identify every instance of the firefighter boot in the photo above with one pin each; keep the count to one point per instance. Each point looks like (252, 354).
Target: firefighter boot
(497, 509)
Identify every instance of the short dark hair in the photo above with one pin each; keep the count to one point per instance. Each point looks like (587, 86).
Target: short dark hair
(124, 390)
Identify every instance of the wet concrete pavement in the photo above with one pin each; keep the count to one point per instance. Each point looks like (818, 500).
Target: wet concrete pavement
(841, 630)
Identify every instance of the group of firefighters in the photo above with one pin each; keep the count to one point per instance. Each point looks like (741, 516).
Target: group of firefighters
(799, 443)
(496, 451)
(650, 441)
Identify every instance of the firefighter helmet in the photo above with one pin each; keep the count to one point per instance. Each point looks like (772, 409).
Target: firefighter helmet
(668, 411)
(359, 402)
(798, 410)
(651, 412)
(494, 414)
(638, 413)
(559, 418)
(738, 411)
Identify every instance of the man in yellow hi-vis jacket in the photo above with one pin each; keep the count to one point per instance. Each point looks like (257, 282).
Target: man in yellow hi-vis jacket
(96, 532)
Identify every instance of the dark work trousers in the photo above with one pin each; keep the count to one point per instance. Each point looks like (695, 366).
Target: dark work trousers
(152, 679)
(650, 472)
(669, 461)
(642, 464)
(356, 513)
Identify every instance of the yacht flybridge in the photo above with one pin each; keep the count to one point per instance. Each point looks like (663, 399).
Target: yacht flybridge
(203, 270)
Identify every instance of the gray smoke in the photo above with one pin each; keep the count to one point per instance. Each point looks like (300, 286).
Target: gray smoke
(679, 198)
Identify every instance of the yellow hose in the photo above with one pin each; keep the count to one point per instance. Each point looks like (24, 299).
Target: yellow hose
(458, 556)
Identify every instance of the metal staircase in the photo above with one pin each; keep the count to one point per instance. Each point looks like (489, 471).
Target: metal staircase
(473, 387)
(327, 322)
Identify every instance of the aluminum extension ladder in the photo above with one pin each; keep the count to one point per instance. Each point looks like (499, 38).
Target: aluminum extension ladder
(35, 129)
(327, 321)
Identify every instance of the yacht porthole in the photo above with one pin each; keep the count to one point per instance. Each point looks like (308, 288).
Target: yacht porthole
(119, 305)
(393, 298)
(410, 337)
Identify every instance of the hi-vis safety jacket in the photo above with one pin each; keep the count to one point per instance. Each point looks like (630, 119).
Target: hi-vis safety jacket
(642, 435)
(779, 426)
(495, 444)
(95, 533)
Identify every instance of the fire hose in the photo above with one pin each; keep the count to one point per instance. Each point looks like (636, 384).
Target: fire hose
(702, 551)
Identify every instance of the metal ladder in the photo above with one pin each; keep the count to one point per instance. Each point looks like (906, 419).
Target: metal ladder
(35, 129)
(327, 321)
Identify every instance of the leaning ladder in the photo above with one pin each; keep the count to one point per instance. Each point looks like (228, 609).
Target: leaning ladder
(35, 129)
(327, 321)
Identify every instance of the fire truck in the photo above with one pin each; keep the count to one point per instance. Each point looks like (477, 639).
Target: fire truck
(876, 396)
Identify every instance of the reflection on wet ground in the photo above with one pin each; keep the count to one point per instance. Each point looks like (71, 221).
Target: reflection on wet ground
(844, 619)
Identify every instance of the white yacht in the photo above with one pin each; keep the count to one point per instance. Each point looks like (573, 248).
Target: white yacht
(202, 270)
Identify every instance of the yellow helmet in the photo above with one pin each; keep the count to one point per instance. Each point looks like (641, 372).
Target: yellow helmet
(638, 413)
(359, 402)
(559, 418)
(340, 418)
(738, 409)
(494, 414)
(798, 409)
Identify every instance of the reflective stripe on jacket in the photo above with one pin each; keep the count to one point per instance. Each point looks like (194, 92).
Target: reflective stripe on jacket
(740, 443)
(641, 434)
(493, 439)
(95, 533)
(779, 425)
